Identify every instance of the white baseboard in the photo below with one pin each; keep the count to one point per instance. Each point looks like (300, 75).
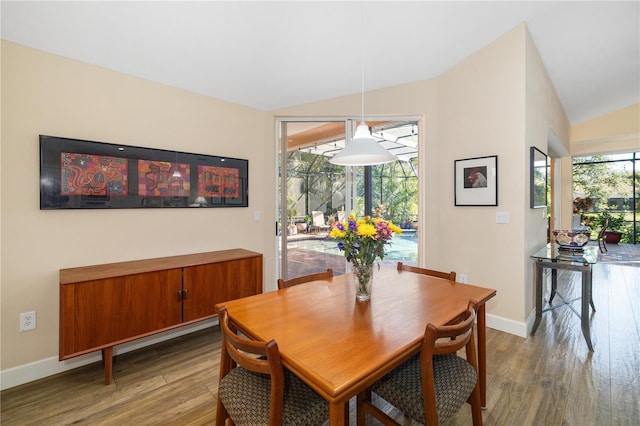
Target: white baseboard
(49, 366)
(508, 326)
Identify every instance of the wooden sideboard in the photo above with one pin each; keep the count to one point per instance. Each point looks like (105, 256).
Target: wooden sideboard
(102, 306)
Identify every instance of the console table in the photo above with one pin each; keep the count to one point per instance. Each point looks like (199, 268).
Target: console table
(102, 306)
(554, 258)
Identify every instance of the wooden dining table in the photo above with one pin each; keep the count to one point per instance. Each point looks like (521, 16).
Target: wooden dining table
(340, 346)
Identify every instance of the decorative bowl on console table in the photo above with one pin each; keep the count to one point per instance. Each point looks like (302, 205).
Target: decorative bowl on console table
(571, 239)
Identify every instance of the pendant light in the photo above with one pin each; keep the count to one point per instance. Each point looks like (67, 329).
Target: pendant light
(363, 149)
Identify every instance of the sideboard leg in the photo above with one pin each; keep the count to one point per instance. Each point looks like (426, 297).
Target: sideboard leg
(107, 360)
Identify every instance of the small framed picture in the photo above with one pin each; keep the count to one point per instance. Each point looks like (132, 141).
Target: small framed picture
(538, 179)
(476, 181)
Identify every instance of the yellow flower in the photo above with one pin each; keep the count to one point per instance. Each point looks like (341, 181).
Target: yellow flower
(395, 229)
(337, 233)
(367, 229)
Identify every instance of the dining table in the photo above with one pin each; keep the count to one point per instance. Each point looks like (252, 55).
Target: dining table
(340, 346)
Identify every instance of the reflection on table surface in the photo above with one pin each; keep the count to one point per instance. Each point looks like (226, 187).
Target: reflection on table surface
(553, 252)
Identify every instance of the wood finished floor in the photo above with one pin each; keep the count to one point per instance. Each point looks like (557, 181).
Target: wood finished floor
(548, 379)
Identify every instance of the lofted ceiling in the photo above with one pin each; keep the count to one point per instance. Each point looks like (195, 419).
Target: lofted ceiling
(269, 55)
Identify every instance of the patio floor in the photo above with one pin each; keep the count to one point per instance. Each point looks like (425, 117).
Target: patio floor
(621, 254)
(304, 262)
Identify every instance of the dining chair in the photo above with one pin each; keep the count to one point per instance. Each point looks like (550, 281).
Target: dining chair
(451, 276)
(254, 387)
(328, 274)
(431, 386)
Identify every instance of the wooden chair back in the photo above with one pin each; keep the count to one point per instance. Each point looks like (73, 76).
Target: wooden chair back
(443, 340)
(446, 275)
(326, 275)
(438, 340)
(260, 357)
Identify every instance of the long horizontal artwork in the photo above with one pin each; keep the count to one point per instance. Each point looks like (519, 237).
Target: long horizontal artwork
(80, 174)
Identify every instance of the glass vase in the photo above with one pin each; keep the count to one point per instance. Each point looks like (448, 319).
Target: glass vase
(363, 276)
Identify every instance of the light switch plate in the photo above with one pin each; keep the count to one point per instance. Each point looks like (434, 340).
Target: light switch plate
(502, 217)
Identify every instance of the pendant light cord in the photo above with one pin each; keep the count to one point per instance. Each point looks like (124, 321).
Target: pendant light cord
(362, 59)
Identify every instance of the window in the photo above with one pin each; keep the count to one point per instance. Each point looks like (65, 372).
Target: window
(613, 183)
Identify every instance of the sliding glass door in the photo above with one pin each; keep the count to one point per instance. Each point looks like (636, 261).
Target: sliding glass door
(313, 193)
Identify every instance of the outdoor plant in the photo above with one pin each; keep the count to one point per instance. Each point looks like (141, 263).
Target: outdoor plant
(616, 223)
(583, 205)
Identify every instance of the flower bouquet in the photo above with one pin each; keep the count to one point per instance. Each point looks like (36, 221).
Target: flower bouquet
(363, 241)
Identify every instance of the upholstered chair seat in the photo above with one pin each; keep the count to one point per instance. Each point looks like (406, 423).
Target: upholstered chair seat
(246, 396)
(454, 380)
(256, 389)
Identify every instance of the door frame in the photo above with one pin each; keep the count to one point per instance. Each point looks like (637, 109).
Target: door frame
(351, 122)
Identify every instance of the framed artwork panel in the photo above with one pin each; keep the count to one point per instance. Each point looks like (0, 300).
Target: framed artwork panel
(476, 181)
(80, 174)
(539, 179)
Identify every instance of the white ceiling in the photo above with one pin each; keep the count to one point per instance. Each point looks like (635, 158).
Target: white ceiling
(270, 55)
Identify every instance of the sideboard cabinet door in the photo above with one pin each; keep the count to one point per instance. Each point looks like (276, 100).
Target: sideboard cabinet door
(206, 285)
(117, 309)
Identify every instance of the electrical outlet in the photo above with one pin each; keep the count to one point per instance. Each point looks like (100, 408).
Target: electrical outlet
(463, 278)
(28, 321)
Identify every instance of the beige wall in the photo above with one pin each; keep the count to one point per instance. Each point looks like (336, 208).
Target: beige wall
(544, 116)
(483, 106)
(480, 107)
(47, 94)
(618, 131)
(481, 112)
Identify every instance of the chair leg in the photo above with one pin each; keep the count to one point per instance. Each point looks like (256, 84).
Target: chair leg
(221, 414)
(361, 415)
(364, 404)
(476, 406)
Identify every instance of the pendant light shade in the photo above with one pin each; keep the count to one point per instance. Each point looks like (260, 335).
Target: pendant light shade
(363, 150)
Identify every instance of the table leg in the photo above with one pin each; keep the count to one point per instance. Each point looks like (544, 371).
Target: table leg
(554, 284)
(337, 413)
(586, 299)
(538, 289)
(482, 354)
(591, 289)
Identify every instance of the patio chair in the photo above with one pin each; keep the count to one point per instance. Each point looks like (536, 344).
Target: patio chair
(318, 221)
(601, 234)
(434, 384)
(328, 274)
(451, 276)
(255, 389)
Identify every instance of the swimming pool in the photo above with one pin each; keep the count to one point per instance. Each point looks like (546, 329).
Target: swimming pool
(402, 247)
